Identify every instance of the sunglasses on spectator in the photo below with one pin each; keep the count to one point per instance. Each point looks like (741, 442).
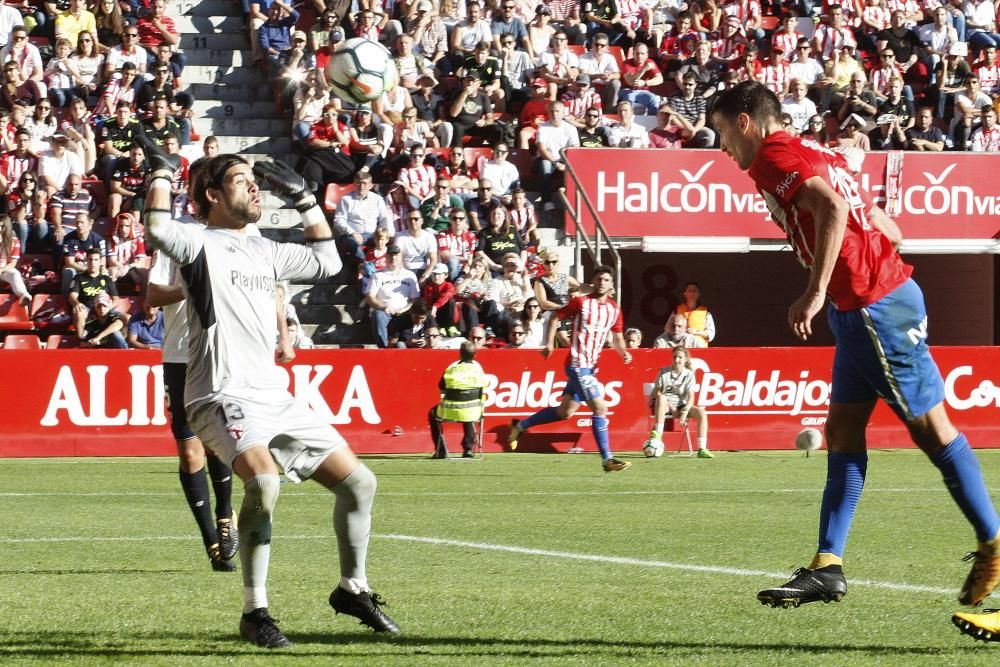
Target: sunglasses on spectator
(533, 305)
(441, 187)
(550, 262)
(516, 333)
(415, 218)
(500, 151)
(458, 217)
(131, 34)
(417, 154)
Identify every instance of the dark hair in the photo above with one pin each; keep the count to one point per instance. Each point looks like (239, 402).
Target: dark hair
(604, 268)
(213, 175)
(418, 308)
(752, 98)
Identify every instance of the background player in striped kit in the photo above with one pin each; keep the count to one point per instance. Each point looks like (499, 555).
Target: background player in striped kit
(595, 317)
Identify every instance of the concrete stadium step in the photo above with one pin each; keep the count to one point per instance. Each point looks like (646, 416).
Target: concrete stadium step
(224, 74)
(240, 126)
(217, 57)
(205, 8)
(345, 325)
(303, 296)
(232, 41)
(201, 24)
(280, 219)
(227, 92)
(271, 146)
(222, 109)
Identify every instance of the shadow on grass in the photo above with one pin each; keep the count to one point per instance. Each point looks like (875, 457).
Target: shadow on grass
(121, 570)
(47, 644)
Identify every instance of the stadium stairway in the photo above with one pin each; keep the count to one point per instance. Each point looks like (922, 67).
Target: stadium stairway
(235, 102)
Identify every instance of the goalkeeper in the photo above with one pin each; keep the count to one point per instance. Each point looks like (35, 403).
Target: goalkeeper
(235, 395)
(673, 396)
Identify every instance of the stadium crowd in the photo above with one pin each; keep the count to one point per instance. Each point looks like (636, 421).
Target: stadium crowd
(428, 186)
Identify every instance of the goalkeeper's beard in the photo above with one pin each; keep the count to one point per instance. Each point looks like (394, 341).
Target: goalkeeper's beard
(243, 213)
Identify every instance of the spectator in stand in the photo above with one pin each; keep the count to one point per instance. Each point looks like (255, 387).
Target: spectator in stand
(700, 322)
(627, 133)
(275, 35)
(127, 257)
(16, 91)
(145, 328)
(438, 295)
(128, 51)
(679, 45)
(858, 100)
(299, 340)
(516, 68)
(427, 103)
(410, 65)
(897, 105)
(41, 124)
(76, 19)
(358, 215)
(10, 18)
(390, 105)
(57, 163)
(418, 247)
(61, 77)
(558, 66)
(968, 105)
(430, 36)
(949, 78)
(88, 62)
(553, 135)
(524, 219)
(803, 67)
(633, 338)
(319, 33)
(506, 295)
(121, 87)
(471, 287)
(369, 142)
(689, 111)
(210, 147)
(116, 137)
(936, 39)
(327, 155)
(109, 22)
(457, 245)
(156, 28)
(668, 133)
(501, 174)
(730, 46)
(399, 206)
(463, 177)
(603, 17)
(852, 133)
(434, 338)
(391, 293)
(986, 138)
(747, 14)
(18, 160)
(841, 70)
(535, 110)
(26, 206)
(65, 206)
(469, 33)
(86, 285)
(374, 26)
(160, 125)
(442, 206)
(407, 330)
(924, 135)
(497, 239)
(988, 71)
(905, 45)
(23, 53)
(675, 335)
(104, 326)
(593, 134)
(376, 257)
(308, 104)
(578, 98)
(707, 74)
(128, 183)
(602, 68)
(981, 24)
(471, 112)
(505, 22)
(886, 72)
(553, 290)
(533, 323)
(787, 37)
(10, 255)
(417, 178)
(80, 134)
(831, 36)
(799, 106)
(480, 206)
(888, 133)
(639, 74)
(817, 131)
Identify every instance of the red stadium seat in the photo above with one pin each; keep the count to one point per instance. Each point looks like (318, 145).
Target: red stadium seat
(96, 189)
(14, 316)
(619, 55)
(334, 193)
(21, 342)
(49, 312)
(61, 342)
(442, 154)
(474, 153)
(769, 23)
(578, 49)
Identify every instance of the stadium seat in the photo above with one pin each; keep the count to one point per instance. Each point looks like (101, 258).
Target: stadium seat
(104, 227)
(474, 153)
(49, 312)
(578, 49)
(618, 53)
(21, 342)
(14, 316)
(96, 189)
(333, 195)
(62, 342)
(442, 154)
(769, 23)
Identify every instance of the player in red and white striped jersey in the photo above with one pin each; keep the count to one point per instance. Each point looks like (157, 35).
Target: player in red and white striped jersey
(595, 317)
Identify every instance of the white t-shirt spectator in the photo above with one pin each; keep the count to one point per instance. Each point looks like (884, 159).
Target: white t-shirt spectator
(10, 18)
(809, 72)
(635, 136)
(502, 176)
(800, 111)
(557, 138)
(416, 250)
(396, 289)
(603, 65)
(57, 170)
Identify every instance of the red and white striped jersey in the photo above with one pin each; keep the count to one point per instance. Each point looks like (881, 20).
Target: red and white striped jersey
(522, 219)
(786, 43)
(128, 250)
(851, 16)
(989, 79)
(877, 15)
(592, 321)
(458, 245)
(577, 103)
(882, 76)
(744, 73)
(631, 12)
(828, 40)
(419, 179)
(12, 167)
(775, 77)
(907, 6)
(729, 49)
(744, 10)
(398, 211)
(986, 141)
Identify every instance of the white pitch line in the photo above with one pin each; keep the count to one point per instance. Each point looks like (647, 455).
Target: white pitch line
(527, 551)
(619, 560)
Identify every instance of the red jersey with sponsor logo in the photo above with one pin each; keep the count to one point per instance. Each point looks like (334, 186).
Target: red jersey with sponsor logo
(593, 321)
(868, 267)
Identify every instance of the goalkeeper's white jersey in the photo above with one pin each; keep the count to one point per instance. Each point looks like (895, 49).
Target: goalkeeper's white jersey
(229, 279)
(676, 386)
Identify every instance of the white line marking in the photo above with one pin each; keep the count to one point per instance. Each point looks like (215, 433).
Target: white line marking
(563, 555)
(618, 560)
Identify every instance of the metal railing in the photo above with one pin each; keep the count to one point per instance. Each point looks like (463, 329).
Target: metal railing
(594, 247)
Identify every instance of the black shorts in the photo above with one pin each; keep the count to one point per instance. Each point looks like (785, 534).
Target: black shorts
(173, 386)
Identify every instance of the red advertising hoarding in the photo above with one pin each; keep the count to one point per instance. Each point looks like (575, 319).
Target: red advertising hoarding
(654, 192)
(108, 403)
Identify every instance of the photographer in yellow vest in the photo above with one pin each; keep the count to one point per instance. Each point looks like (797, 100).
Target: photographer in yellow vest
(461, 401)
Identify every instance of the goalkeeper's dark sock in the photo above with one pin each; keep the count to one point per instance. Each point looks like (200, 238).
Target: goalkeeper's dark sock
(222, 484)
(960, 468)
(845, 478)
(195, 485)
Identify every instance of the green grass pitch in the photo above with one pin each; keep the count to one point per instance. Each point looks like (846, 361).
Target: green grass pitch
(515, 559)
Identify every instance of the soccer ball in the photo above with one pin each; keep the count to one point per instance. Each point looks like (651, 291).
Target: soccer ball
(361, 70)
(809, 440)
(653, 448)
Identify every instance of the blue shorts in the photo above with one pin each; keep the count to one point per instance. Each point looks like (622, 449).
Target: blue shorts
(882, 352)
(174, 376)
(582, 385)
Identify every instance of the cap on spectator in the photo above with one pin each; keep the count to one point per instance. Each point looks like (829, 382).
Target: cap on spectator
(103, 299)
(298, 34)
(427, 76)
(337, 34)
(848, 45)
(472, 74)
(583, 78)
(58, 136)
(539, 83)
(363, 108)
(393, 250)
(853, 118)
(424, 6)
(440, 268)
(958, 49)
(886, 119)
(543, 10)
